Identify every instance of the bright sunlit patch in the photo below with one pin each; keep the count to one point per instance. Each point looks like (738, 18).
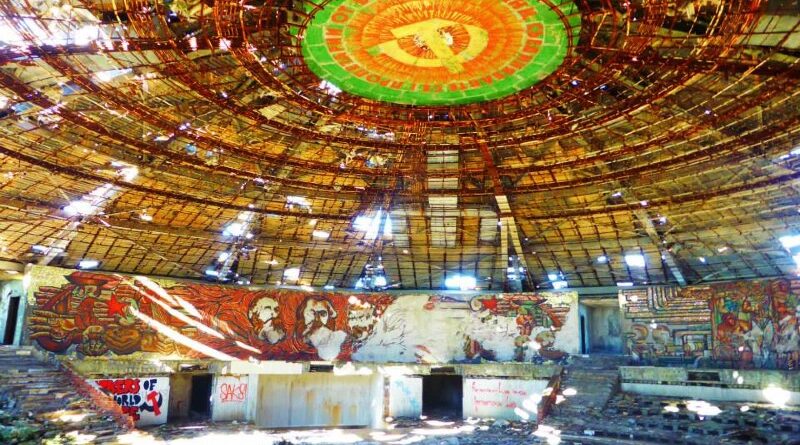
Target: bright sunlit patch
(335, 436)
(155, 288)
(671, 409)
(381, 436)
(321, 234)
(178, 314)
(551, 435)
(790, 241)
(292, 274)
(635, 260)
(532, 403)
(79, 207)
(300, 201)
(180, 338)
(438, 423)
(409, 440)
(247, 347)
(78, 438)
(522, 414)
(354, 301)
(72, 418)
(702, 408)
(88, 264)
(371, 226)
(776, 396)
(461, 282)
(350, 369)
(569, 392)
(109, 75)
(443, 431)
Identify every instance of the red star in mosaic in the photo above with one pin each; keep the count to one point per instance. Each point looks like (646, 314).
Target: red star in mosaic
(116, 307)
(490, 304)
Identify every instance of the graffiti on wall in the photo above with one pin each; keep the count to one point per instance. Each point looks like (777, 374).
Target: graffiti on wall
(405, 396)
(745, 324)
(755, 323)
(230, 398)
(503, 398)
(232, 392)
(98, 314)
(144, 399)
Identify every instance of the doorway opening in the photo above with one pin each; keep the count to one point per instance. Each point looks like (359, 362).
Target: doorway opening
(11, 320)
(583, 335)
(442, 396)
(200, 402)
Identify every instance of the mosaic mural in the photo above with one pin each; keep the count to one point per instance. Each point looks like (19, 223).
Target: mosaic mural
(103, 315)
(664, 322)
(743, 324)
(755, 323)
(437, 52)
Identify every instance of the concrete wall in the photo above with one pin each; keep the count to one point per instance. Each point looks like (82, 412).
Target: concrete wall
(405, 396)
(710, 384)
(319, 399)
(511, 399)
(279, 394)
(230, 398)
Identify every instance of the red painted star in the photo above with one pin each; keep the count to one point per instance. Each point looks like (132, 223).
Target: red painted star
(490, 304)
(116, 307)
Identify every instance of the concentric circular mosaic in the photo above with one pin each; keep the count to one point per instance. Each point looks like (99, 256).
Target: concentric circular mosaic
(438, 52)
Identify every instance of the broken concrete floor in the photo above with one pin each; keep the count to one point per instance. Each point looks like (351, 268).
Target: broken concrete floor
(628, 419)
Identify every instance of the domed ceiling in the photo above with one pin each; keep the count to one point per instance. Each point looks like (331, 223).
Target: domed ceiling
(520, 142)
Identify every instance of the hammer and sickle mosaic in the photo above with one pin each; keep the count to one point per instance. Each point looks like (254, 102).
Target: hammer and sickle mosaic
(437, 52)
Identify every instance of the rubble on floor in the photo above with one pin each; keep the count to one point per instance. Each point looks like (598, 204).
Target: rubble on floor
(628, 419)
(682, 421)
(39, 405)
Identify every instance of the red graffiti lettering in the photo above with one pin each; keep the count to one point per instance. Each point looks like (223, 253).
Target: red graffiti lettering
(120, 386)
(232, 392)
(132, 411)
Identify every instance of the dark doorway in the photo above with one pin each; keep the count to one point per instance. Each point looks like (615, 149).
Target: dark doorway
(583, 335)
(11, 320)
(442, 396)
(200, 404)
